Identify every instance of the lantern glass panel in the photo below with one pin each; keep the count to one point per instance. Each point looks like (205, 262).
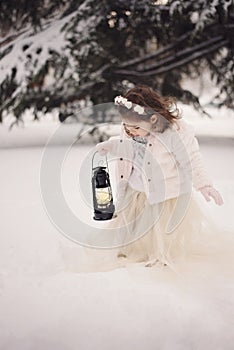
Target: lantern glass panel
(103, 196)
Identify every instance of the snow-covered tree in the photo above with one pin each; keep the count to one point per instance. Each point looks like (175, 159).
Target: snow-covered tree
(58, 54)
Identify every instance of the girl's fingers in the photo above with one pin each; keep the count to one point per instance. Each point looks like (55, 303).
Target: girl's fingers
(209, 191)
(205, 194)
(217, 198)
(101, 149)
(103, 152)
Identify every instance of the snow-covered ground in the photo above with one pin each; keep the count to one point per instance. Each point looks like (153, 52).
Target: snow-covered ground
(46, 304)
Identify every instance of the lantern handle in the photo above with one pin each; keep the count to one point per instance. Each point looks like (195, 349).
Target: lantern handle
(106, 161)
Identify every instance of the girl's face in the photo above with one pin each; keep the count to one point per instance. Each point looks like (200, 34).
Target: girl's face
(139, 128)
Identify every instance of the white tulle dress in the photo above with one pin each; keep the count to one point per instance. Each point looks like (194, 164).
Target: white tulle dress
(179, 241)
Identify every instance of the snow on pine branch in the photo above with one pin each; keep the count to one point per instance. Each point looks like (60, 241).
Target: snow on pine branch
(208, 12)
(31, 51)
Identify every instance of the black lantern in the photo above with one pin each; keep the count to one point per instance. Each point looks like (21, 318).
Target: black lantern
(102, 193)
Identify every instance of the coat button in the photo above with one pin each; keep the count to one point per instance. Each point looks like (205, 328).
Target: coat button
(150, 144)
(149, 180)
(120, 140)
(148, 163)
(121, 158)
(121, 176)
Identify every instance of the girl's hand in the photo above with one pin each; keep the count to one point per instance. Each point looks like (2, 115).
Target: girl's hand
(209, 191)
(101, 149)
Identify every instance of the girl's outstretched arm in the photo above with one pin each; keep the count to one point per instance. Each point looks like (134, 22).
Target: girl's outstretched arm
(187, 153)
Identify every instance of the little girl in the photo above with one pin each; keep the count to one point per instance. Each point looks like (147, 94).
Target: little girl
(159, 171)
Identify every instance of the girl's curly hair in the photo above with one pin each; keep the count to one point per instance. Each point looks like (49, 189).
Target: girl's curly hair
(164, 107)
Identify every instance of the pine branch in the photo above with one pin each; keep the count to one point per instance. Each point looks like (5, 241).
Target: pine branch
(174, 65)
(166, 48)
(61, 98)
(155, 54)
(185, 52)
(11, 37)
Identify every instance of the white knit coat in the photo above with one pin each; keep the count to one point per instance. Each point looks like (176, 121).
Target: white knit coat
(172, 165)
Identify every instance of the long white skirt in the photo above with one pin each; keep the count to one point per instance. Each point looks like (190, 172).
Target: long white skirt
(177, 235)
